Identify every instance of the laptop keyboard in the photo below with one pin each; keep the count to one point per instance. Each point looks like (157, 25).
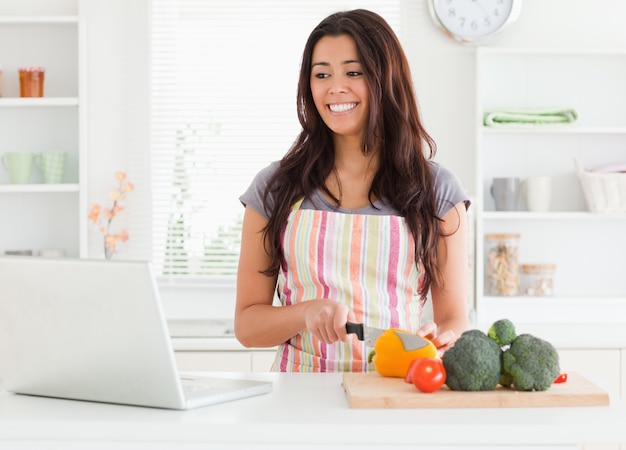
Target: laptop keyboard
(220, 388)
(193, 386)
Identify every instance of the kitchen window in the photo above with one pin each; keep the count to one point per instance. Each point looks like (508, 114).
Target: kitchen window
(222, 107)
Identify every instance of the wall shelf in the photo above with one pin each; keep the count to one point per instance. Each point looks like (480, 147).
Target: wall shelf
(19, 102)
(38, 188)
(38, 20)
(44, 215)
(554, 129)
(560, 310)
(552, 215)
(589, 249)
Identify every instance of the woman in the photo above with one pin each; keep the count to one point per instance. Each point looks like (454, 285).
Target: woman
(355, 223)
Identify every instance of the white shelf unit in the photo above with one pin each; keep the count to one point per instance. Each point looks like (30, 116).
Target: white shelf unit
(589, 249)
(38, 215)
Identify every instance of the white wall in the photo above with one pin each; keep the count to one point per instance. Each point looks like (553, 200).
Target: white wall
(117, 97)
(443, 71)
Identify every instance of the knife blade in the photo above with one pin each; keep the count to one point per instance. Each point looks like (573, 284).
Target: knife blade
(364, 333)
(370, 334)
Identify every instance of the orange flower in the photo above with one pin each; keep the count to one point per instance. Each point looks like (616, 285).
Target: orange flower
(116, 194)
(104, 224)
(94, 213)
(109, 239)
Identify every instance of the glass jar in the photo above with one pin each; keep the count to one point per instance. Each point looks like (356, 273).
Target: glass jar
(31, 81)
(538, 279)
(502, 264)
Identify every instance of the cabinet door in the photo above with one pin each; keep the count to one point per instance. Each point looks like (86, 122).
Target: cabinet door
(623, 380)
(601, 364)
(213, 361)
(262, 360)
(602, 447)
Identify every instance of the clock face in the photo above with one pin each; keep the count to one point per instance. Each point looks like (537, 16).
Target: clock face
(468, 20)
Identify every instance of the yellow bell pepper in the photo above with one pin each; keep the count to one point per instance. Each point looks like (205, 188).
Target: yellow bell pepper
(395, 350)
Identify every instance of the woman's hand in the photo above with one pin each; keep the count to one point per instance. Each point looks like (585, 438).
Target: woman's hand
(442, 341)
(326, 320)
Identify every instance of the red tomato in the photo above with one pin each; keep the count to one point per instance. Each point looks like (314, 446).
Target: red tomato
(427, 374)
(562, 378)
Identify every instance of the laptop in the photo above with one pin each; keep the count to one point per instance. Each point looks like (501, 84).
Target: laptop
(95, 330)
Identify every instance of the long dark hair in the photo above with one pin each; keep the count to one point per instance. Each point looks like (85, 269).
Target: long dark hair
(394, 128)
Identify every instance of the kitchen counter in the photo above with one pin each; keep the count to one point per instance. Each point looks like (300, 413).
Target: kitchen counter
(303, 410)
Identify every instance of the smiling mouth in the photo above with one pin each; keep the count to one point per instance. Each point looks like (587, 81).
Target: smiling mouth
(342, 107)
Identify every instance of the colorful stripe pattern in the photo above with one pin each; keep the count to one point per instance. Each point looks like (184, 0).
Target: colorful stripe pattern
(366, 262)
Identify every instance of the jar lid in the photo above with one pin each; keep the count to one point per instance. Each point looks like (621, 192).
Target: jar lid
(538, 266)
(502, 236)
(31, 69)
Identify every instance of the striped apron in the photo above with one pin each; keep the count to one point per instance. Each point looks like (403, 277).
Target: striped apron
(365, 262)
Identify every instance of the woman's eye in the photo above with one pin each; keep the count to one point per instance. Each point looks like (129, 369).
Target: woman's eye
(321, 75)
(354, 73)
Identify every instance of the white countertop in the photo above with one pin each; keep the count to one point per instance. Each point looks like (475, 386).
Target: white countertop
(303, 409)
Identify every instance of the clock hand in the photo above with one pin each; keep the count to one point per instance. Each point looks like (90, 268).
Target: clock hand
(480, 6)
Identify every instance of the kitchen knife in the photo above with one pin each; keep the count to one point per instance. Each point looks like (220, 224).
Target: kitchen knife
(370, 334)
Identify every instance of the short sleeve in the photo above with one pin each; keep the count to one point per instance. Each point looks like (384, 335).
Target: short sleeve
(253, 196)
(449, 190)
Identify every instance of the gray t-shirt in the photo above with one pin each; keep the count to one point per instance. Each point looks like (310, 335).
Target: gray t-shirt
(449, 193)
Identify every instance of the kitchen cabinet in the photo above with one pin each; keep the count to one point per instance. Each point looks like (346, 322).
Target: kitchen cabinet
(602, 447)
(623, 376)
(225, 361)
(213, 361)
(587, 248)
(262, 360)
(603, 364)
(43, 216)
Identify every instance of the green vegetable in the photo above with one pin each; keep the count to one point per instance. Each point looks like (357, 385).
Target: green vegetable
(503, 332)
(473, 363)
(479, 361)
(530, 364)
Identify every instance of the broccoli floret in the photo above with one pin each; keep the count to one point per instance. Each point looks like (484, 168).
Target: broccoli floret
(530, 364)
(473, 363)
(503, 332)
(506, 380)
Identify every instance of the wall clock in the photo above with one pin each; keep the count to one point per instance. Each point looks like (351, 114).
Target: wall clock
(468, 21)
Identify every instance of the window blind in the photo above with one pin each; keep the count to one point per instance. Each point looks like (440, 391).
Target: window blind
(223, 106)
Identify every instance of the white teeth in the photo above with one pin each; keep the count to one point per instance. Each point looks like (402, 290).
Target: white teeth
(342, 107)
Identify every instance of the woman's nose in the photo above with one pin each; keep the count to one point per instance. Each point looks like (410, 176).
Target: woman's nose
(338, 86)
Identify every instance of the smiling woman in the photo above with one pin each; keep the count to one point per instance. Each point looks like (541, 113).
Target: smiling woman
(356, 222)
(338, 87)
(222, 108)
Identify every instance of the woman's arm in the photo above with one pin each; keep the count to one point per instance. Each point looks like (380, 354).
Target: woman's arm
(450, 300)
(257, 322)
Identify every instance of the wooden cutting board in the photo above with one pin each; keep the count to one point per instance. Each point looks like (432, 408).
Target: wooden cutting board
(370, 390)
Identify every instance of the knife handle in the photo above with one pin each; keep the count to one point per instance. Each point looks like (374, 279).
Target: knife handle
(355, 328)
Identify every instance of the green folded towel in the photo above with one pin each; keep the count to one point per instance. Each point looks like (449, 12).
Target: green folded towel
(507, 117)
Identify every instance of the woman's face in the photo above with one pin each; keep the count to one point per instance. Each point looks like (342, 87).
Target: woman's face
(338, 85)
